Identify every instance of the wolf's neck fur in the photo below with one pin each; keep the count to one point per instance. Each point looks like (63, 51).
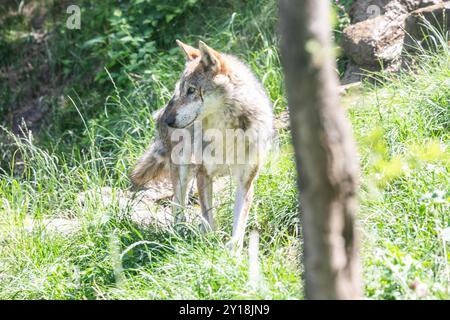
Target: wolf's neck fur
(244, 103)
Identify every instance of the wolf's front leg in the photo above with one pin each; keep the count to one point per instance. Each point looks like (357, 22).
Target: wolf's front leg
(244, 199)
(205, 192)
(181, 176)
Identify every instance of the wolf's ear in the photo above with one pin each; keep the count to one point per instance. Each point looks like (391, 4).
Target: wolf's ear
(212, 59)
(190, 52)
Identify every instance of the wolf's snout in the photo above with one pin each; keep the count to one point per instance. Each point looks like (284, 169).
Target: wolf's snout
(170, 120)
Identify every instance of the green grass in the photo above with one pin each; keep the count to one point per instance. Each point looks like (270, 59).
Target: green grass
(95, 133)
(402, 126)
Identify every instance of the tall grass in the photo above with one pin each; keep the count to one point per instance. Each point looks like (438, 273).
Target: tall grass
(88, 147)
(402, 125)
(97, 130)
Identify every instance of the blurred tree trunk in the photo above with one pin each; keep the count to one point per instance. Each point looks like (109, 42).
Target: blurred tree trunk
(326, 158)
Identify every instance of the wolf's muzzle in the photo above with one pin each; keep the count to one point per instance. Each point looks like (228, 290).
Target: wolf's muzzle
(170, 120)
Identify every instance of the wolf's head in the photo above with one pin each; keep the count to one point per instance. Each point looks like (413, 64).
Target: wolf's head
(202, 86)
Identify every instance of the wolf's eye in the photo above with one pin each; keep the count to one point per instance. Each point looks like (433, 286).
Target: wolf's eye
(190, 91)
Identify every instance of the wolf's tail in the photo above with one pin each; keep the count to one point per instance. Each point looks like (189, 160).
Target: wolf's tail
(152, 165)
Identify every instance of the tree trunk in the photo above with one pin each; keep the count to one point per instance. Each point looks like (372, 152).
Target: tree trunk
(327, 163)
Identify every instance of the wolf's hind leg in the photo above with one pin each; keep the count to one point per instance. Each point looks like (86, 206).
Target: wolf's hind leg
(205, 192)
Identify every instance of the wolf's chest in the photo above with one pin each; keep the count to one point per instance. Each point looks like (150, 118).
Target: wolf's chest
(218, 145)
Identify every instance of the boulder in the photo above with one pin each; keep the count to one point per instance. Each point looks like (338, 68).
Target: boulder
(371, 42)
(376, 38)
(362, 10)
(420, 23)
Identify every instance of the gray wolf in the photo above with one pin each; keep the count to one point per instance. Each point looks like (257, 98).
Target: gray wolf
(220, 96)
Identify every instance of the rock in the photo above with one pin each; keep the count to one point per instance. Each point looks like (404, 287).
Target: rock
(417, 32)
(412, 5)
(142, 206)
(374, 42)
(63, 226)
(352, 74)
(367, 9)
(151, 206)
(376, 39)
(362, 10)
